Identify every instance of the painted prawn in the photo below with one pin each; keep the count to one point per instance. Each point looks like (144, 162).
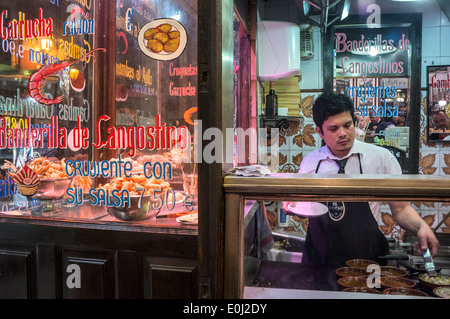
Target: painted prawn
(36, 81)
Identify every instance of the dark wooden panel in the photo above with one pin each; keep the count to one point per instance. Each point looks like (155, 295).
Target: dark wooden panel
(72, 234)
(129, 276)
(110, 261)
(17, 272)
(168, 278)
(48, 275)
(96, 274)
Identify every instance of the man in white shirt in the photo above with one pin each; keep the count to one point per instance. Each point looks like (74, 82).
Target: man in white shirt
(374, 160)
(350, 230)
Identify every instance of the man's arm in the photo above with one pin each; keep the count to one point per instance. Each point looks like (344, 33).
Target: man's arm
(410, 220)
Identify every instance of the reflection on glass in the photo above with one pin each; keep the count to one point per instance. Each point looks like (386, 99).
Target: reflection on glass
(274, 253)
(47, 96)
(381, 112)
(438, 103)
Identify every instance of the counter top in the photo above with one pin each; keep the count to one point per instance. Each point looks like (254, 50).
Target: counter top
(92, 216)
(279, 293)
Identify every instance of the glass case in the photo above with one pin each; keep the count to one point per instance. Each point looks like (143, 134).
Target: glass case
(267, 251)
(98, 111)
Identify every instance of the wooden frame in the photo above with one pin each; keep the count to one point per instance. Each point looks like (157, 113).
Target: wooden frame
(215, 105)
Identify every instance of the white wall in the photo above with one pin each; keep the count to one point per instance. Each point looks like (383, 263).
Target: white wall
(435, 36)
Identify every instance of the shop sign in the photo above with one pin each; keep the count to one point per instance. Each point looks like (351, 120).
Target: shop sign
(363, 52)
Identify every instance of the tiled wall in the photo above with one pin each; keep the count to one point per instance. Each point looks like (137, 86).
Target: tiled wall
(299, 140)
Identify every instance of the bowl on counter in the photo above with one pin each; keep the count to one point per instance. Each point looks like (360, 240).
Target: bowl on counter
(442, 292)
(396, 282)
(136, 211)
(387, 271)
(360, 263)
(404, 292)
(352, 282)
(435, 281)
(52, 188)
(365, 290)
(351, 272)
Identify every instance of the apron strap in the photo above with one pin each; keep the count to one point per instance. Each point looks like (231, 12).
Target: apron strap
(359, 159)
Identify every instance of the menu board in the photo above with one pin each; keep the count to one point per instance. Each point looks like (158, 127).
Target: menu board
(373, 67)
(46, 69)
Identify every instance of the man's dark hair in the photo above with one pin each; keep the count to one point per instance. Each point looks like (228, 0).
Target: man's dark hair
(329, 104)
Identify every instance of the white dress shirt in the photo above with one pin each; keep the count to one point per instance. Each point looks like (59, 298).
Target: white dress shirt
(374, 160)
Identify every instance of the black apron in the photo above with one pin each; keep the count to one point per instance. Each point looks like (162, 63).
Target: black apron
(349, 230)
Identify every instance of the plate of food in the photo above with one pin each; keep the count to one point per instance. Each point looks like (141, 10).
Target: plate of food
(360, 263)
(396, 282)
(307, 208)
(442, 291)
(190, 219)
(404, 292)
(434, 281)
(163, 39)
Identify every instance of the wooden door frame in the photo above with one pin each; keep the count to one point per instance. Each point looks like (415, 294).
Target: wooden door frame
(215, 105)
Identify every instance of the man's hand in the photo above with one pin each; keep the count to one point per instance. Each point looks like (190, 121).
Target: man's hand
(410, 220)
(427, 239)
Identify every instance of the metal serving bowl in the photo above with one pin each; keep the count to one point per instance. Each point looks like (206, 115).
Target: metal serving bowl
(134, 212)
(52, 188)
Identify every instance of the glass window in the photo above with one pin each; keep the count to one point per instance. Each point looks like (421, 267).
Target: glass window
(53, 126)
(290, 253)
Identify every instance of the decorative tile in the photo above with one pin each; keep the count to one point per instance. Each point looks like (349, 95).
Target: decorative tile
(444, 161)
(293, 127)
(429, 163)
(306, 104)
(297, 158)
(423, 206)
(389, 226)
(445, 226)
(306, 139)
(284, 142)
(283, 157)
(289, 168)
(430, 217)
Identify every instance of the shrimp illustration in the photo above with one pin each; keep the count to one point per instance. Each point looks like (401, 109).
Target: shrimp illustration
(36, 81)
